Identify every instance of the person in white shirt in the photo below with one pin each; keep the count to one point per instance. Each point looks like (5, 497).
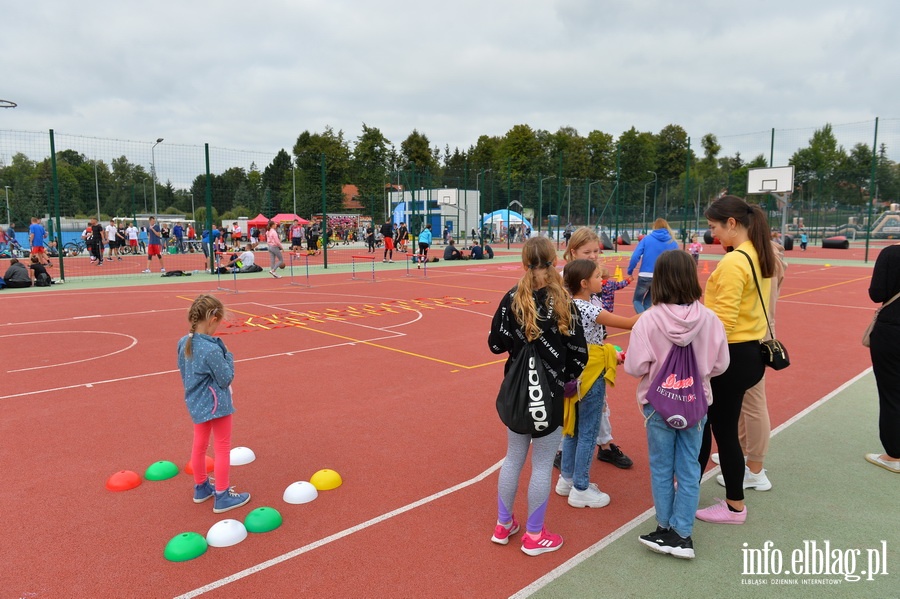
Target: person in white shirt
(132, 234)
(242, 262)
(111, 239)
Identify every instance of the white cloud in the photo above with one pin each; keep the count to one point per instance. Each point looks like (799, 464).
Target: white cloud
(255, 75)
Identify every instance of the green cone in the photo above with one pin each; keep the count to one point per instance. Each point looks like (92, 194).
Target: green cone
(262, 519)
(161, 471)
(185, 546)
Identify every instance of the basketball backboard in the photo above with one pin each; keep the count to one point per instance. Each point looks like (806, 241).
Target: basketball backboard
(446, 199)
(779, 179)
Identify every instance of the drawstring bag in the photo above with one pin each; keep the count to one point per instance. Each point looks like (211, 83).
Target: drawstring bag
(676, 392)
(525, 400)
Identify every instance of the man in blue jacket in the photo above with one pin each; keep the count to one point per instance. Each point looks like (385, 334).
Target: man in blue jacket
(647, 251)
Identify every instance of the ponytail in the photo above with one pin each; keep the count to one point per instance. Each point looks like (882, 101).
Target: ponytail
(204, 308)
(752, 218)
(538, 257)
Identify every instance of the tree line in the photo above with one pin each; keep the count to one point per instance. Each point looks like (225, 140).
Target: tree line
(507, 168)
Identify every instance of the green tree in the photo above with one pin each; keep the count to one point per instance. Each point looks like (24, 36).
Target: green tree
(371, 163)
(308, 152)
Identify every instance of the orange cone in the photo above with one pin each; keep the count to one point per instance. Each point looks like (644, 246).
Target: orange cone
(706, 267)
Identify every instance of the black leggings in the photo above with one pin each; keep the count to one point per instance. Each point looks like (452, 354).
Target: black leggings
(746, 369)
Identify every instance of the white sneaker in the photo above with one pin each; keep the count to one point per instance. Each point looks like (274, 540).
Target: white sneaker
(760, 481)
(563, 486)
(162, 270)
(590, 497)
(715, 458)
(146, 270)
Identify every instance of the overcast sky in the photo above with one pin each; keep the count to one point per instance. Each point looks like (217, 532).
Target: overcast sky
(254, 75)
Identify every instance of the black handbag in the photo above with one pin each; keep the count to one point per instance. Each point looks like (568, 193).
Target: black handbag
(774, 354)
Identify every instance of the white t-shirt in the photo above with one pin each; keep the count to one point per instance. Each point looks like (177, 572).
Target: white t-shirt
(132, 232)
(247, 259)
(111, 233)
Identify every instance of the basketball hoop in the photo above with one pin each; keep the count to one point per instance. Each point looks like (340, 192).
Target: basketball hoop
(7, 104)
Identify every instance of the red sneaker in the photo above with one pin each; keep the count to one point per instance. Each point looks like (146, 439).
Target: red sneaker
(502, 534)
(547, 542)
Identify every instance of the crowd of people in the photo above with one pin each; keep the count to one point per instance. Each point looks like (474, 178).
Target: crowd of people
(565, 316)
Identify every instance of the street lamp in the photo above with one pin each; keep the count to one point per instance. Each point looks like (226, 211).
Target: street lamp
(481, 224)
(6, 187)
(153, 171)
(589, 201)
(654, 200)
(541, 199)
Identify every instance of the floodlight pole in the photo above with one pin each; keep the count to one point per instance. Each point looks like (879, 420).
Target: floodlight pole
(541, 199)
(645, 201)
(589, 201)
(6, 187)
(153, 169)
(480, 215)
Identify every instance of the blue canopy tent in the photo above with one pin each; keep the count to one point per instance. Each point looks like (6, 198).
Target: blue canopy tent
(504, 218)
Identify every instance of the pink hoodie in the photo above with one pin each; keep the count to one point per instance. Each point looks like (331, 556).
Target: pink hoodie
(666, 324)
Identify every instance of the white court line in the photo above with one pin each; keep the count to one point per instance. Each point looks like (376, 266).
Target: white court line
(338, 535)
(133, 343)
(68, 318)
(161, 372)
(565, 567)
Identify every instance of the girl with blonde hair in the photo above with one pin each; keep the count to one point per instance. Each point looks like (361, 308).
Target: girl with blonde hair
(537, 310)
(207, 370)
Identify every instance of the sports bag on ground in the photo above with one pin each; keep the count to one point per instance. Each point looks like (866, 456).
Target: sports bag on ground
(676, 392)
(525, 400)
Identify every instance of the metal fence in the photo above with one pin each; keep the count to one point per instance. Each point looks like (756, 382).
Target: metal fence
(846, 178)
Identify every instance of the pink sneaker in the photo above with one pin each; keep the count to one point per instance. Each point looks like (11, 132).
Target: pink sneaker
(547, 542)
(502, 534)
(719, 513)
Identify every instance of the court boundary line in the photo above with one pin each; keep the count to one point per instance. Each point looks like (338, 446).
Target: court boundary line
(628, 527)
(216, 584)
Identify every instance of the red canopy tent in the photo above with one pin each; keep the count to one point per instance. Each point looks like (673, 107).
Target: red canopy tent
(282, 218)
(259, 221)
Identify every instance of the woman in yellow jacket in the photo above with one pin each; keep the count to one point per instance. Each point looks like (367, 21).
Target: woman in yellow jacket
(731, 293)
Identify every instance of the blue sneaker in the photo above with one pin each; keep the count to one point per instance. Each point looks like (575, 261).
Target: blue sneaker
(228, 500)
(204, 491)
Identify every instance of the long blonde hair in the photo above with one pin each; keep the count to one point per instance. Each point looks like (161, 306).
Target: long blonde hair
(538, 257)
(579, 238)
(204, 308)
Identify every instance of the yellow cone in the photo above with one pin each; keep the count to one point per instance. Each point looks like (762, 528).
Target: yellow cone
(618, 276)
(325, 480)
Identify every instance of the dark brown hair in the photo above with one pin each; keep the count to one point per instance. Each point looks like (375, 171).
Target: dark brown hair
(577, 271)
(675, 279)
(754, 220)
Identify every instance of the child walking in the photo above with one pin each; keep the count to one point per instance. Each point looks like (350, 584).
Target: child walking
(583, 279)
(537, 310)
(207, 370)
(676, 317)
(585, 243)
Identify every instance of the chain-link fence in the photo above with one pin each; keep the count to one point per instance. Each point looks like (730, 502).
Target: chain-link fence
(846, 182)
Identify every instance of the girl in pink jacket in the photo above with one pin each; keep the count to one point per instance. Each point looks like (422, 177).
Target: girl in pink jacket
(677, 317)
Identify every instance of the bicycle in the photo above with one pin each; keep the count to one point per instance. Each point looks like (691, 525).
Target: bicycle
(74, 248)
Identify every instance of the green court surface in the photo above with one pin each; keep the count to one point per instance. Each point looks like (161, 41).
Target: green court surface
(823, 492)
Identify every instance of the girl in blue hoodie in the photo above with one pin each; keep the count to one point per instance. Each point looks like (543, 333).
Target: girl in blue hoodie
(207, 370)
(646, 252)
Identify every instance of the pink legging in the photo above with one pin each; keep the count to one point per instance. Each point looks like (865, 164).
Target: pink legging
(221, 430)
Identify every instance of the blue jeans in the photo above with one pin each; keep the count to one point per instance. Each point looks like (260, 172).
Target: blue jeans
(673, 453)
(578, 451)
(642, 300)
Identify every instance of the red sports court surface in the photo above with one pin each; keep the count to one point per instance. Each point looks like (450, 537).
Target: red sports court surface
(390, 384)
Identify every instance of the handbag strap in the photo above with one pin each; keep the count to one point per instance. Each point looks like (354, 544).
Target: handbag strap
(887, 303)
(759, 292)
